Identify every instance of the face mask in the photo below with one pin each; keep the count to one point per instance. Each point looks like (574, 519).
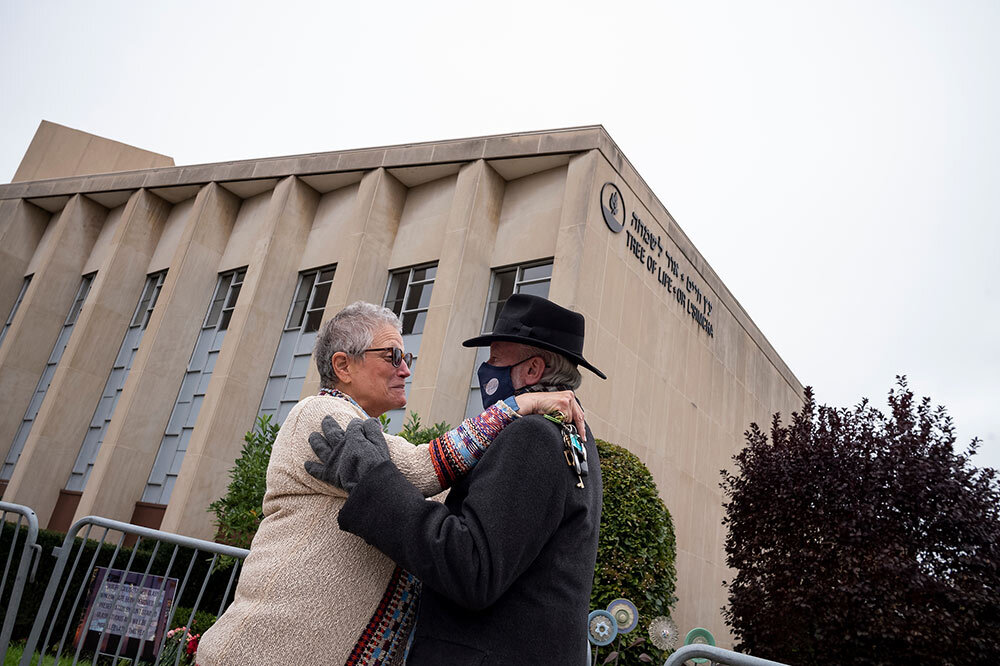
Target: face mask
(495, 383)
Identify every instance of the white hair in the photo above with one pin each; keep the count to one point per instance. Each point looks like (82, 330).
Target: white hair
(559, 370)
(350, 331)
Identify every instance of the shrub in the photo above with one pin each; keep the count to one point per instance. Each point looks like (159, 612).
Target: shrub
(863, 539)
(186, 643)
(637, 548)
(239, 512)
(203, 618)
(416, 433)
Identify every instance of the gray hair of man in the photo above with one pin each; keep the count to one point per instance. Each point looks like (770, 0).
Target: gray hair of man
(350, 331)
(558, 368)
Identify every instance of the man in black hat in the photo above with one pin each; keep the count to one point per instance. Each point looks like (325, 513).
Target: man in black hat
(507, 562)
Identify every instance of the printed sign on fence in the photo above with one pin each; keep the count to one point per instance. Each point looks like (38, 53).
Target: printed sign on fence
(128, 604)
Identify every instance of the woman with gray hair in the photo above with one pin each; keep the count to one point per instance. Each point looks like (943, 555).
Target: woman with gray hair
(361, 607)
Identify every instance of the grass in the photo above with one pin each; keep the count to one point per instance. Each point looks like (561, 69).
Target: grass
(16, 651)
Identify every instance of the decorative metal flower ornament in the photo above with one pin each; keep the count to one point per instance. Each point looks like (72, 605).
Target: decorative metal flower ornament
(699, 635)
(601, 627)
(663, 633)
(625, 614)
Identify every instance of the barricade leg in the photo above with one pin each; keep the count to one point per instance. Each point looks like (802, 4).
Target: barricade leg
(29, 551)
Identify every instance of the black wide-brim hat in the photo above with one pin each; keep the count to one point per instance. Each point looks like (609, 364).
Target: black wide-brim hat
(536, 321)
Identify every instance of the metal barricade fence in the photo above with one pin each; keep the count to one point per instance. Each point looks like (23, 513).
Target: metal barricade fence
(29, 551)
(127, 610)
(717, 655)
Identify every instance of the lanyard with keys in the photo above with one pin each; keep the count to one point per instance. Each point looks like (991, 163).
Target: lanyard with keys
(575, 452)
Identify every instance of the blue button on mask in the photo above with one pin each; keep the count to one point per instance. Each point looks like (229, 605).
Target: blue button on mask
(495, 383)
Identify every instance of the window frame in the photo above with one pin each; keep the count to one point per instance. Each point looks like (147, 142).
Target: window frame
(518, 269)
(410, 283)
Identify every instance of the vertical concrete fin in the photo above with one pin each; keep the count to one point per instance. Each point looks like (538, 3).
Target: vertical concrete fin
(380, 206)
(569, 285)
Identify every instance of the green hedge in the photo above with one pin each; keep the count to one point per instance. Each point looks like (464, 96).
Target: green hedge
(239, 512)
(637, 549)
(31, 600)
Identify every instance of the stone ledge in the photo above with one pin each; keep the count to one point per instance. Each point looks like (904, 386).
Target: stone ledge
(521, 144)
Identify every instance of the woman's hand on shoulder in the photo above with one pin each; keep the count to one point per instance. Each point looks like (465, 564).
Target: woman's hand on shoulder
(555, 401)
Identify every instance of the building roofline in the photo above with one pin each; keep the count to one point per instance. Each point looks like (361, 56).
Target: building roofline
(426, 153)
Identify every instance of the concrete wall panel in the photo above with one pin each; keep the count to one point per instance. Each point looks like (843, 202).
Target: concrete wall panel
(63, 153)
(173, 229)
(44, 244)
(423, 223)
(529, 221)
(103, 243)
(61, 424)
(363, 271)
(325, 244)
(249, 228)
(21, 228)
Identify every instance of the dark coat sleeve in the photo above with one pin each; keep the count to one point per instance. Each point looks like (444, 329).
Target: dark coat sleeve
(514, 504)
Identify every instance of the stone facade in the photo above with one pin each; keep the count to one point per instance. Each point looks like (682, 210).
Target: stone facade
(687, 368)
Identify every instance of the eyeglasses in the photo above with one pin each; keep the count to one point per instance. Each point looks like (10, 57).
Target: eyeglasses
(397, 355)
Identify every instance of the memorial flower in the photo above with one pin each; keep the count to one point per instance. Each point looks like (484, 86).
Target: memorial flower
(663, 633)
(179, 639)
(601, 627)
(625, 614)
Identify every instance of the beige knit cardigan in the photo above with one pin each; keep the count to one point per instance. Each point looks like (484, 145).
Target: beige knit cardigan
(307, 589)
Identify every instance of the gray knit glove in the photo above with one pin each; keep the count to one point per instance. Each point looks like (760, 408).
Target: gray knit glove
(345, 457)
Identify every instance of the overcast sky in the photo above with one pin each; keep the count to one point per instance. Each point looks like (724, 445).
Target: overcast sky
(837, 163)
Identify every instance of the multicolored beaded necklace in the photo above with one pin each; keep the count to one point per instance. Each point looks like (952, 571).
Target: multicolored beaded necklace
(343, 396)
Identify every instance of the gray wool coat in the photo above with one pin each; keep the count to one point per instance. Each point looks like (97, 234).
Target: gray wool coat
(507, 562)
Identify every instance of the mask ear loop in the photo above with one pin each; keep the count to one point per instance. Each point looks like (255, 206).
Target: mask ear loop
(525, 360)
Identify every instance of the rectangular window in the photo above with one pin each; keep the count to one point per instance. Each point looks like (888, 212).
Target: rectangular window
(224, 301)
(409, 296)
(150, 293)
(294, 354)
(13, 310)
(525, 279)
(116, 382)
(168, 461)
(533, 278)
(43, 384)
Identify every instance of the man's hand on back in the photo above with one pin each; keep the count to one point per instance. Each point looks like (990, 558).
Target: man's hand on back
(345, 457)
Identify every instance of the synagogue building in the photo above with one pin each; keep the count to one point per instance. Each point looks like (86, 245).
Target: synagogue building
(153, 311)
